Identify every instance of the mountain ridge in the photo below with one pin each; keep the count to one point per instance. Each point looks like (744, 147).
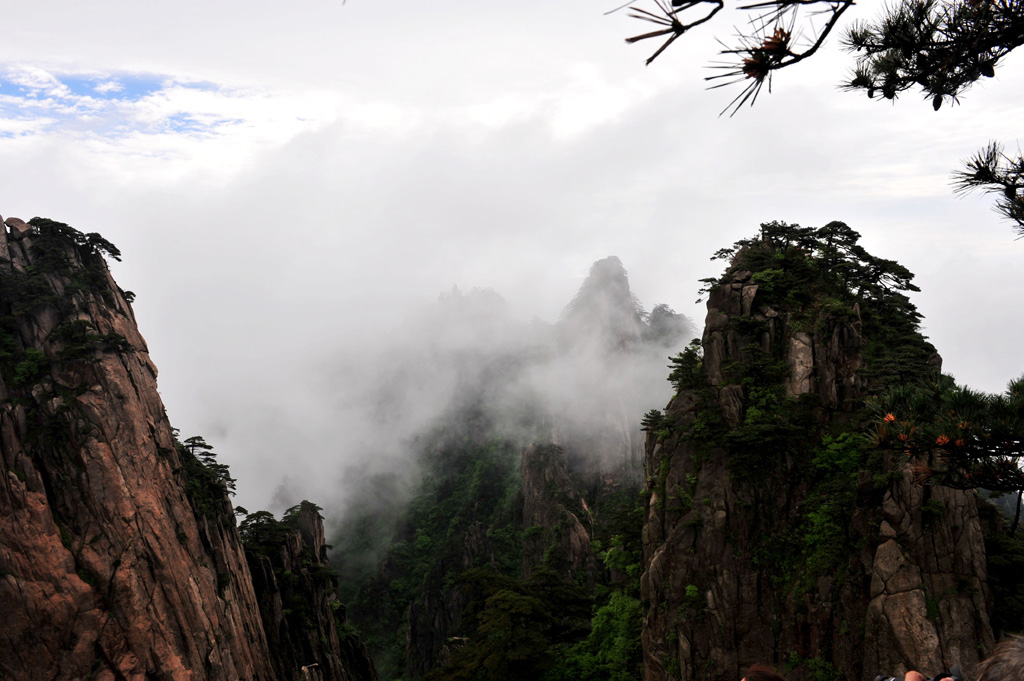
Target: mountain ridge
(119, 553)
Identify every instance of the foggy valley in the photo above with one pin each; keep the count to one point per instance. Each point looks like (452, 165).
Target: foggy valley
(391, 342)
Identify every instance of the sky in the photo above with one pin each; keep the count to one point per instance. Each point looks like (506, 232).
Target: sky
(291, 186)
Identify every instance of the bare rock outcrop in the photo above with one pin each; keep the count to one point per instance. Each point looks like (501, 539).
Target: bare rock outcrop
(739, 571)
(557, 522)
(928, 594)
(295, 589)
(119, 555)
(823, 363)
(108, 570)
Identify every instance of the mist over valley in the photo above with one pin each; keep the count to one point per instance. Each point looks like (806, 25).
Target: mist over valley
(358, 341)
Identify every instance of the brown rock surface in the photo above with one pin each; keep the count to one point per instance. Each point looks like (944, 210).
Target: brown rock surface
(117, 561)
(19, 228)
(107, 569)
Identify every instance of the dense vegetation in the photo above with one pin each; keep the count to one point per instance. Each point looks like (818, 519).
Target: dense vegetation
(805, 469)
(208, 483)
(265, 537)
(465, 486)
(456, 555)
(974, 438)
(819, 276)
(1005, 554)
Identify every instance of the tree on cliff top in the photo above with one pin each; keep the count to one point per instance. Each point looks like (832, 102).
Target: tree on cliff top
(940, 47)
(799, 269)
(787, 258)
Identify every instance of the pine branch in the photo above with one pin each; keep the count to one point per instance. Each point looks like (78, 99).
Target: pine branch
(940, 47)
(669, 17)
(994, 172)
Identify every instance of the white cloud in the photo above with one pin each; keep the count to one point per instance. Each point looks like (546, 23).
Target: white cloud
(109, 86)
(30, 79)
(295, 182)
(22, 126)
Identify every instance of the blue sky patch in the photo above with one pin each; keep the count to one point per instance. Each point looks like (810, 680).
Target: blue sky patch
(130, 87)
(199, 85)
(188, 123)
(111, 105)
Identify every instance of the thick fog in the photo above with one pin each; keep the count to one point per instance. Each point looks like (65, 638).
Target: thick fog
(600, 365)
(293, 188)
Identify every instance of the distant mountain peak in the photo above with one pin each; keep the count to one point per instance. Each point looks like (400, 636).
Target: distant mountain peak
(604, 310)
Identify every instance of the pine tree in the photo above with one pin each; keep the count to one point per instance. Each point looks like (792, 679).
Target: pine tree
(940, 47)
(957, 437)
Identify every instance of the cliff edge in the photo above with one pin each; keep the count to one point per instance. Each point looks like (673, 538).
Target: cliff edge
(773, 532)
(119, 555)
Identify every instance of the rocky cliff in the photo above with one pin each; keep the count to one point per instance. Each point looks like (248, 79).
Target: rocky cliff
(557, 523)
(119, 555)
(772, 533)
(305, 622)
(616, 352)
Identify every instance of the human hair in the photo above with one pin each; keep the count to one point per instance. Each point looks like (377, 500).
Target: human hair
(758, 672)
(1006, 663)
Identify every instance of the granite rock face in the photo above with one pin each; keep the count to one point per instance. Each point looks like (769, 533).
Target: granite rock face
(914, 596)
(558, 515)
(116, 561)
(928, 589)
(107, 568)
(824, 363)
(295, 589)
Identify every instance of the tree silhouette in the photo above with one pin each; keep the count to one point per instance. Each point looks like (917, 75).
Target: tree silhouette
(994, 172)
(940, 47)
(770, 46)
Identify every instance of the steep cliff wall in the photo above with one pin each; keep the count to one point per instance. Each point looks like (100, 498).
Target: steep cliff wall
(305, 622)
(119, 555)
(557, 524)
(107, 569)
(772, 534)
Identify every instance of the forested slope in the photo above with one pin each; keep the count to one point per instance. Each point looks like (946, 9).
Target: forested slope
(780, 527)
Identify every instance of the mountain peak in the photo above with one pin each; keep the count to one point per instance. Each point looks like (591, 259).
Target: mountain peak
(604, 311)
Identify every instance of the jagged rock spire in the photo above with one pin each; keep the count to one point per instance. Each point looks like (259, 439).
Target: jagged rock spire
(604, 311)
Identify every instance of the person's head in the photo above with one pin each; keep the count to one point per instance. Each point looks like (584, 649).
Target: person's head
(1006, 663)
(758, 672)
